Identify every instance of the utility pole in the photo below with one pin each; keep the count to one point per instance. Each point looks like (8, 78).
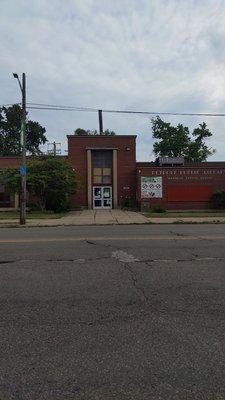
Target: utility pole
(23, 169)
(100, 122)
(54, 149)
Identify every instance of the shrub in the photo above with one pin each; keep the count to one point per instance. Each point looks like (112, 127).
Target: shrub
(34, 206)
(158, 209)
(50, 180)
(218, 199)
(57, 202)
(129, 203)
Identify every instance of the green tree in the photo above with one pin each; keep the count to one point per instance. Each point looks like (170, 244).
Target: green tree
(198, 151)
(49, 181)
(175, 141)
(85, 132)
(10, 127)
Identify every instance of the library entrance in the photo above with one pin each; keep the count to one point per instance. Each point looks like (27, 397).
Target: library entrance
(102, 197)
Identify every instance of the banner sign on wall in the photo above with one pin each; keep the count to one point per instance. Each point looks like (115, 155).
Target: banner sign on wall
(151, 187)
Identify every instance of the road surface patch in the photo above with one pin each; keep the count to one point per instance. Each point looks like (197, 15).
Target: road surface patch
(122, 256)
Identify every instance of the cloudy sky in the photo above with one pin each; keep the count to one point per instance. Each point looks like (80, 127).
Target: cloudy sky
(156, 55)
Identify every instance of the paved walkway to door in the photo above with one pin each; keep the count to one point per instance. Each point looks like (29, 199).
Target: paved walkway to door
(103, 217)
(86, 217)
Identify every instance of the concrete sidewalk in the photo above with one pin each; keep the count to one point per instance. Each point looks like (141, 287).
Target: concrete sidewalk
(187, 220)
(104, 217)
(110, 217)
(87, 217)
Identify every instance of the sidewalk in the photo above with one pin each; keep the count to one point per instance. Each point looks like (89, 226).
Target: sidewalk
(86, 217)
(187, 220)
(109, 217)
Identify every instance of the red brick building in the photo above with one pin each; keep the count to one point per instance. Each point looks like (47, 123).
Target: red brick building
(110, 177)
(186, 187)
(106, 169)
(8, 201)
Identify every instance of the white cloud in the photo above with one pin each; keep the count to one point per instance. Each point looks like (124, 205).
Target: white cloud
(133, 54)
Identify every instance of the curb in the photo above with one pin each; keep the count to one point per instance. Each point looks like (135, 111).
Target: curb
(177, 222)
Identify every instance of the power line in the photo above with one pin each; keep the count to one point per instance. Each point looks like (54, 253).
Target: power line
(58, 106)
(59, 109)
(51, 107)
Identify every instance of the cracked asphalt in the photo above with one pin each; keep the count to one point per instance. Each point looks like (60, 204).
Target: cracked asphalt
(112, 312)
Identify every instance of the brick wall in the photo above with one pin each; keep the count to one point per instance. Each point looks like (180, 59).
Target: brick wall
(9, 162)
(7, 200)
(188, 187)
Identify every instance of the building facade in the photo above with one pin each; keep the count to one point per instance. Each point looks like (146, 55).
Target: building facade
(8, 201)
(186, 187)
(110, 177)
(106, 170)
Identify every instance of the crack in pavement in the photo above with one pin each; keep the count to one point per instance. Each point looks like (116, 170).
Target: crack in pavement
(73, 260)
(6, 261)
(123, 259)
(100, 244)
(133, 277)
(179, 234)
(169, 260)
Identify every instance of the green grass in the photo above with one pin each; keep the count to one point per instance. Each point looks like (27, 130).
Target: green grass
(30, 215)
(184, 214)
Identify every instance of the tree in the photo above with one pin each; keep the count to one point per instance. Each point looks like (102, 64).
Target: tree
(85, 132)
(175, 141)
(198, 151)
(10, 127)
(49, 181)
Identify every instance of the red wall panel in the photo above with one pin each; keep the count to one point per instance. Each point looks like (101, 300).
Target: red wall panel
(189, 193)
(188, 187)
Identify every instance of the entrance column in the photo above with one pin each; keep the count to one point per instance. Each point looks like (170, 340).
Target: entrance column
(115, 180)
(89, 180)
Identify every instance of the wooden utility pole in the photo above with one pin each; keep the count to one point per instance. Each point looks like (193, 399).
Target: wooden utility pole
(23, 168)
(23, 142)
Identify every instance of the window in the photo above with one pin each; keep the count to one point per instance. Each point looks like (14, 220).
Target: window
(106, 179)
(102, 158)
(4, 197)
(97, 179)
(102, 167)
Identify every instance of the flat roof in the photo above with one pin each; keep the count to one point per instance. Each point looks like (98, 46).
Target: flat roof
(101, 136)
(152, 164)
(101, 148)
(11, 157)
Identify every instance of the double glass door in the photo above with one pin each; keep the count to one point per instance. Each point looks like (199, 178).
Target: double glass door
(102, 197)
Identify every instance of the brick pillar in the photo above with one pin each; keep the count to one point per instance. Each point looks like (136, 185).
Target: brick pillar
(89, 180)
(115, 180)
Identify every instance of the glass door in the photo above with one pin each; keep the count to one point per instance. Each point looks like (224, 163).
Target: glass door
(107, 196)
(102, 197)
(97, 197)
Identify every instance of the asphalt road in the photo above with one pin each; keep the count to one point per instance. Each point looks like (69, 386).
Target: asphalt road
(113, 312)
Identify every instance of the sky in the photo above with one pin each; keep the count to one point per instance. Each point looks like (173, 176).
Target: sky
(151, 55)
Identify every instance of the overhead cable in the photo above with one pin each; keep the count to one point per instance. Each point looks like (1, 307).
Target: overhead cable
(51, 107)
